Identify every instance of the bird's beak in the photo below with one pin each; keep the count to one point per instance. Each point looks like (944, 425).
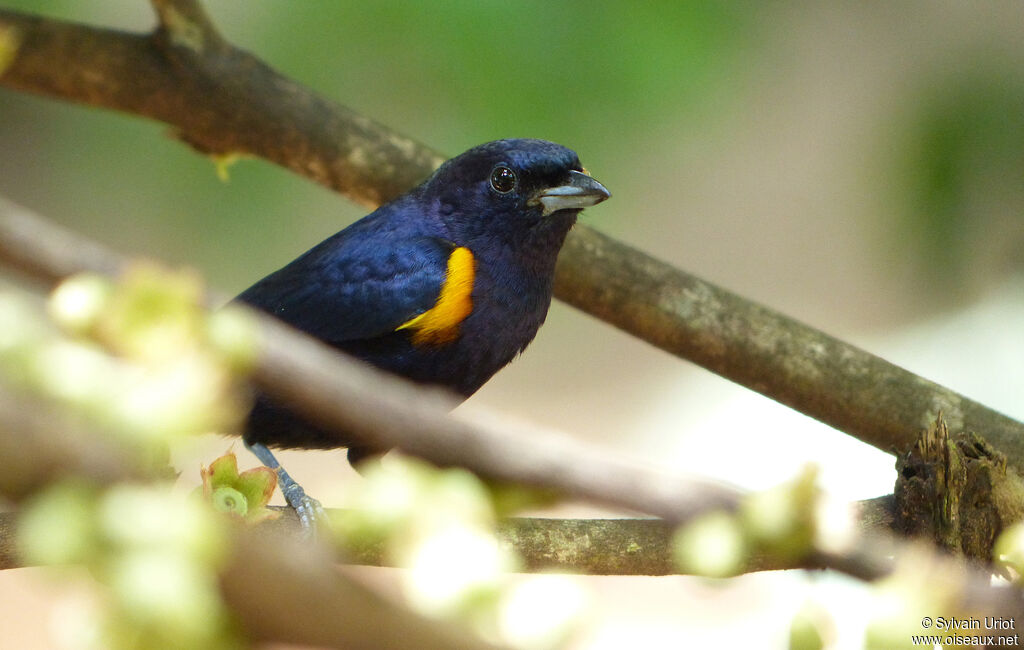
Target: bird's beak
(582, 191)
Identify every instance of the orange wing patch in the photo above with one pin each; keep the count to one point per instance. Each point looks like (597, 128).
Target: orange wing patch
(440, 323)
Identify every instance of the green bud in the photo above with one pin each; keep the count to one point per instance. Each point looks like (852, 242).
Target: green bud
(783, 518)
(712, 545)
(1009, 548)
(77, 304)
(235, 335)
(58, 526)
(228, 499)
(808, 629)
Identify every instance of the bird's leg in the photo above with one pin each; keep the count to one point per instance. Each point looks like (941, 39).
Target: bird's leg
(306, 507)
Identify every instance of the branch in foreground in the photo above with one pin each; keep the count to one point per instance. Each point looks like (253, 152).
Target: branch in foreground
(635, 547)
(223, 101)
(344, 395)
(307, 574)
(311, 602)
(37, 444)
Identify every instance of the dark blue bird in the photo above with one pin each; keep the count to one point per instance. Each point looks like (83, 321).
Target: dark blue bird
(444, 285)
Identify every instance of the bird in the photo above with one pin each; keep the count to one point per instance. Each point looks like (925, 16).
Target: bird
(444, 285)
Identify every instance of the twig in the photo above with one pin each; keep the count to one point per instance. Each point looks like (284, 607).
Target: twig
(635, 547)
(223, 100)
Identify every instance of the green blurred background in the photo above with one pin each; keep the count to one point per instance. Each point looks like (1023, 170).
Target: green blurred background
(859, 166)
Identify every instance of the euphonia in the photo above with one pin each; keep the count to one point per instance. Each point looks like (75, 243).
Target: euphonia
(444, 285)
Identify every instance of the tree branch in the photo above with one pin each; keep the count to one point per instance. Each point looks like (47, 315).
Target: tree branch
(634, 547)
(222, 100)
(286, 591)
(304, 575)
(386, 411)
(820, 376)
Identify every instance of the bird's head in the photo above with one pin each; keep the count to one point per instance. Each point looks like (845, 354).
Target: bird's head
(514, 192)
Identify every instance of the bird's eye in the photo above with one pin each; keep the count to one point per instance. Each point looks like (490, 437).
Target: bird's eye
(503, 179)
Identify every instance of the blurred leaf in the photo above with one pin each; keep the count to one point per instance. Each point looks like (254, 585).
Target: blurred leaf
(964, 146)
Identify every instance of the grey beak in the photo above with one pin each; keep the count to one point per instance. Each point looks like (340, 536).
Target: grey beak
(582, 191)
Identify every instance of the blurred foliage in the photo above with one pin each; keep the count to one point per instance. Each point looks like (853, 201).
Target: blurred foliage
(781, 522)
(153, 555)
(961, 166)
(142, 359)
(810, 627)
(1008, 551)
(135, 359)
(440, 525)
(916, 589)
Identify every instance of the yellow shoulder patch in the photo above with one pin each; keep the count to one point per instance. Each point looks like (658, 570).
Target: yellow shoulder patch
(440, 323)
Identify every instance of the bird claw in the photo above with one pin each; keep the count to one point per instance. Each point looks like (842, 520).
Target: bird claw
(309, 511)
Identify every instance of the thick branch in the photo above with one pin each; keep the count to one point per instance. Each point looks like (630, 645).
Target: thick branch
(635, 547)
(223, 100)
(220, 99)
(820, 376)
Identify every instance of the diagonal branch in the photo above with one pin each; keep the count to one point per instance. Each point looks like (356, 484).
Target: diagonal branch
(837, 383)
(222, 100)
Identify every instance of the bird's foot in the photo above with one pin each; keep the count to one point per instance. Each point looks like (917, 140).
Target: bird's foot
(309, 511)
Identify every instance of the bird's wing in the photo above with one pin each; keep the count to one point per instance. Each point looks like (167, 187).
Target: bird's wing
(350, 288)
